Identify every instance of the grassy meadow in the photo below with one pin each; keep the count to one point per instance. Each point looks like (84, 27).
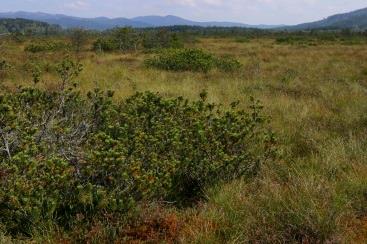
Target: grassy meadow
(315, 191)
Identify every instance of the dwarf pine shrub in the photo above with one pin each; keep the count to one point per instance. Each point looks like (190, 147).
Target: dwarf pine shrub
(195, 60)
(64, 155)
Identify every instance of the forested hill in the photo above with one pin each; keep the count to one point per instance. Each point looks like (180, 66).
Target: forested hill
(27, 27)
(352, 20)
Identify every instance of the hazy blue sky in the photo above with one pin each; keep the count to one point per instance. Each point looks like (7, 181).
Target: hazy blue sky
(246, 11)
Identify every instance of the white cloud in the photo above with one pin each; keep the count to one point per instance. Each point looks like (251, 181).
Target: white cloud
(77, 5)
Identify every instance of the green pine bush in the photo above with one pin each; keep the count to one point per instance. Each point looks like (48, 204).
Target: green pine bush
(66, 155)
(195, 60)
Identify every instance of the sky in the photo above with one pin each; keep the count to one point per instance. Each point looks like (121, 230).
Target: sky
(245, 11)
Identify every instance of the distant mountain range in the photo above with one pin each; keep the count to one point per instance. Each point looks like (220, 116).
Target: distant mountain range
(102, 23)
(171, 20)
(353, 20)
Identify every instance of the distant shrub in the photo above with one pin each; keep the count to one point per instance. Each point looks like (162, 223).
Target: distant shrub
(310, 40)
(228, 64)
(285, 40)
(104, 45)
(4, 67)
(65, 155)
(296, 40)
(195, 60)
(46, 47)
(128, 39)
(161, 39)
(242, 40)
(78, 38)
(183, 60)
(121, 39)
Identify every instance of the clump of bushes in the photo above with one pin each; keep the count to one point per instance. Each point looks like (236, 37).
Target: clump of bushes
(104, 45)
(49, 46)
(4, 66)
(157, 39)
(127, 39)
(228, 64)
(296, 40)
(242, 40)
(183, 60)
(122, 39)
(67, 157)
(312, 40)
(195, 60)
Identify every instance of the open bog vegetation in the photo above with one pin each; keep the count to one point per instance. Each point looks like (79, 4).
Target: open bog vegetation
(183, 136)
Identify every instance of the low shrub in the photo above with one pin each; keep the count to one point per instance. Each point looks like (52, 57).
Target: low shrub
(242, 40)
(228, 64)
(158, 39)
(183, 60)
(67, 157)
(4, 67)
(49, 46)
(3, 64)
(297, 40)
(195, 60)
(127, 39)
(105, 45)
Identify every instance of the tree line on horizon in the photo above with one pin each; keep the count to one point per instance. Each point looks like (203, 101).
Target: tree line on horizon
(32, 27)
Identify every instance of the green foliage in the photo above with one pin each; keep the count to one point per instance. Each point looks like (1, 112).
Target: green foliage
(228, 64)
(191, 60)
(36, 73)
(318, 38)
(66, 155)
(17, 37)
(296, 40)
(171, 148)
(28, 27)
(242, 40)
(127, 39)
(161, 39)
(183, 60)
(79, 38)
(104, 45)
(122, 39)
(68, 70)
(4, 67)
(47, 46)
(42, 133)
